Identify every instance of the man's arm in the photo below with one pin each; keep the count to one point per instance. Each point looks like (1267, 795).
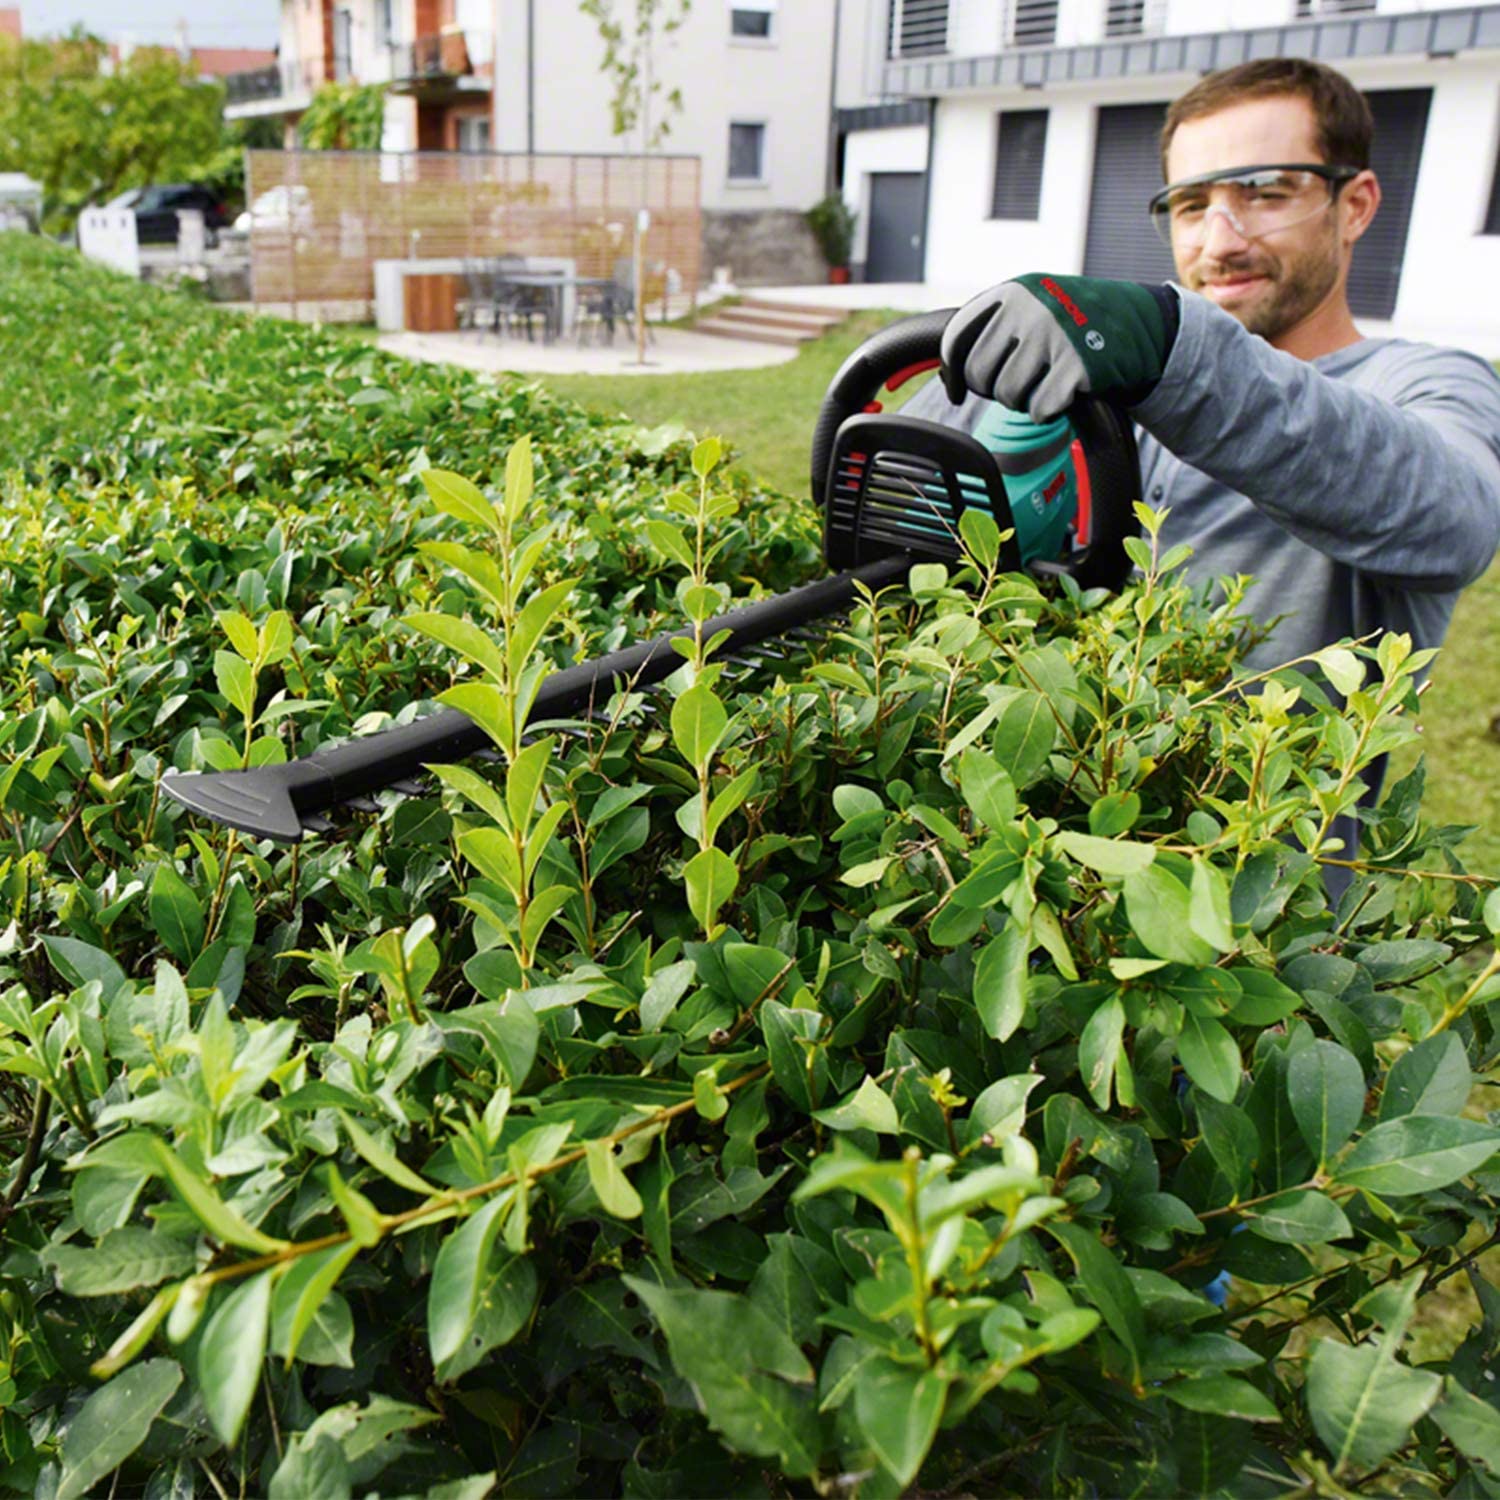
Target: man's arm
(1400, 480)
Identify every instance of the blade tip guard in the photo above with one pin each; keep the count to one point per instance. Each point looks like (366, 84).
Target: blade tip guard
(257, 802)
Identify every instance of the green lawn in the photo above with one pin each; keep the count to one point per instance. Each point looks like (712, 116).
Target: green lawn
(768, 416)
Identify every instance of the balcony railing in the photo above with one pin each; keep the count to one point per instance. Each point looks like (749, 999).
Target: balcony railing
(289, 80)
(448, 55)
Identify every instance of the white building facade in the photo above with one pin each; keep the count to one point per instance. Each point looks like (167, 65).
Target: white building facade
(980, 139)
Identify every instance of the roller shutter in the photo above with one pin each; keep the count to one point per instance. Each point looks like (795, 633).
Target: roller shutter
(1127, 171)
(1400, 129)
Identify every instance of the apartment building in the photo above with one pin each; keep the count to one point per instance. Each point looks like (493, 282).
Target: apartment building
(984, 138)
(755, 80)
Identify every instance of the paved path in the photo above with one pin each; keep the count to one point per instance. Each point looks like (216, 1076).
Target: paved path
(673, 351)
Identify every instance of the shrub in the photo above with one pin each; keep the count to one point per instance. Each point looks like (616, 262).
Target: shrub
(849, 1076)
(832, 225)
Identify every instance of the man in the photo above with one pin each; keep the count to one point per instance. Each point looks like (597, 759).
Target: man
(1357, 479)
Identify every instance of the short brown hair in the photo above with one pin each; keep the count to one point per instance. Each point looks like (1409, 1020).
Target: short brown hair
(1342, 114)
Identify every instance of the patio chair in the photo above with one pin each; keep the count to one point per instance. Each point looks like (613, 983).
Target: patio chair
(520, 307)
(476, 304)
(622, 290)
(596, 313)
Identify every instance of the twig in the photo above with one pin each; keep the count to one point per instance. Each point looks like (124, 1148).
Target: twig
(40, 1109)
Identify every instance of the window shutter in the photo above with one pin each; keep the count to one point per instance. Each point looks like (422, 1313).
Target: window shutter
(917, 28)
(1020, 151)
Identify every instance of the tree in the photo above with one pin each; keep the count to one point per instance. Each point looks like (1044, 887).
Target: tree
(344, 117)
(630, 44)
(88, 129)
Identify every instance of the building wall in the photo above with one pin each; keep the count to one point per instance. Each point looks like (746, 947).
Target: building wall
(784, 84)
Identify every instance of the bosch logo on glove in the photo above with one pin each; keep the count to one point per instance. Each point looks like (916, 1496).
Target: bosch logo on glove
(1094, 339)
(1069, 306)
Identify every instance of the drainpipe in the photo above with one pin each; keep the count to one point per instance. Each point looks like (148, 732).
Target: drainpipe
(927, 184)
(830, 173)
(531, 77)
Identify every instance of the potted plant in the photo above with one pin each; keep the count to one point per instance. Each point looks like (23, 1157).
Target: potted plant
(832, 225)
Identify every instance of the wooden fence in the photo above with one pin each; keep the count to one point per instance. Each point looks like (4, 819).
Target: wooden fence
(321, 219)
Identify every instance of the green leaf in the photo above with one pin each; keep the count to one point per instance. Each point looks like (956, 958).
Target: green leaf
(507, 1295)
(1000, 1110)
(1362, 1403)
(1264, 1000)
(1231, 1139)
(1107, 856)
(1472, 1425)
(711, 879)
(314, 1465)
(1417, 1154)
(1104, 1282)
(671, 543)
(241, 632)
(1024, 736)
(753, 1383)
(1000, 981)
(1326, 1088)
(235, 679)
(1210, 1056)
(383, 1159)
(898, 1408)
(113, 1423)
(458, 1274)
(464, 637)
(460, 498)
(1208, 905)
(869, 1107)
(607, 1178)
(986, 785)
(1099, 1049)
(176, 914)
(123, 1260)
(232, 1353)
(301, 1292)
(1433, 1078)
(224, 1222)
(699, 722)
(1158, 905)
(1306, 1217)
(1223, 1396)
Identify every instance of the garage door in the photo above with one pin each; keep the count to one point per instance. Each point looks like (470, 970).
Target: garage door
(1121, 241)
(1127, 171)
(1400, 129)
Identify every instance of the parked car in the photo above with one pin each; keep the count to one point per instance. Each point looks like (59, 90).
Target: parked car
(156, 210)
(279, 209)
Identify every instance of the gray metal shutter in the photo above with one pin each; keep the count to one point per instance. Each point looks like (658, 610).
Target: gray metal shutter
(1400, 129)
(1020, 152)
(1127, 171)
(917, 28)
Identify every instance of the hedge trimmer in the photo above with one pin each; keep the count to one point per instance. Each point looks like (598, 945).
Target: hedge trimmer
(891, 489)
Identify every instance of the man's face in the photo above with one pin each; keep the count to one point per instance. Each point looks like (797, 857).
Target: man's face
(1274, 282)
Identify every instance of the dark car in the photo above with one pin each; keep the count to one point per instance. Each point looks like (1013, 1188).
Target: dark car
(156, 210)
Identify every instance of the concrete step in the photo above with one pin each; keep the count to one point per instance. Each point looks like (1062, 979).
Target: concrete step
(755, 333)
(805, 309)
(768, 317)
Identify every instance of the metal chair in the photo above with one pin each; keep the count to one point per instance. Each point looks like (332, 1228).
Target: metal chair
(476, 307)
(517, 306)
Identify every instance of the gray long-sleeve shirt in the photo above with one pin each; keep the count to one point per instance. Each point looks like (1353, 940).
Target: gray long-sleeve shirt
(1360, 489)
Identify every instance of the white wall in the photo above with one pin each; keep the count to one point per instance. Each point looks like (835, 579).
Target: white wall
(784, 84)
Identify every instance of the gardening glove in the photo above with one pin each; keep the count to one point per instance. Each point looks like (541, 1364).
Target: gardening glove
(1039, 342)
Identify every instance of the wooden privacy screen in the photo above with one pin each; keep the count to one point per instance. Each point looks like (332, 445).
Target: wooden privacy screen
(330, 215)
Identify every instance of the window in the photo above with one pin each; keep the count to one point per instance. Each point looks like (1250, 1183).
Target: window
(1031, 23)
(747, 152)
(1020, 149)
(385, 23)
(473, 132)
(752, 19)
(918, 28)
(1306, 9)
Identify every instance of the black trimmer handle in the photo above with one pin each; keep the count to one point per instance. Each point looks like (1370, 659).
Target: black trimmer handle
(913, 346)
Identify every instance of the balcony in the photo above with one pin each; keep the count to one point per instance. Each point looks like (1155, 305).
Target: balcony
(278, 89)
(450, 61)
(987, 44)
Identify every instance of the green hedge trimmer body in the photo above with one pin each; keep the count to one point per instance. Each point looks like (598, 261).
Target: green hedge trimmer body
(891, 489)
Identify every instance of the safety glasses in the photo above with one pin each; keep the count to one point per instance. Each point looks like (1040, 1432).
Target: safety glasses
(1257, 201)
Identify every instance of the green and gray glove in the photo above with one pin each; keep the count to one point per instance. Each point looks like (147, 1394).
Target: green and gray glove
(1039, 342)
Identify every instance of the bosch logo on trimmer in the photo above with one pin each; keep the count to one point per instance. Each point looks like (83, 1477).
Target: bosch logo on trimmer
(1068, 305)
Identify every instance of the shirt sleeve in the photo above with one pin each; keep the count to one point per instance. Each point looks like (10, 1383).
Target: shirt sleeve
(1396, 476)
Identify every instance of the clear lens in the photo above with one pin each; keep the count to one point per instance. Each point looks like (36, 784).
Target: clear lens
(1256, 203)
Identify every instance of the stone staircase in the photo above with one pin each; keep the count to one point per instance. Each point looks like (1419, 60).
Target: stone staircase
(766, 322)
